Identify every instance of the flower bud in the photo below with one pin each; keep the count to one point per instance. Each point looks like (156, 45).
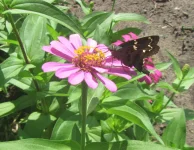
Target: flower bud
(185, 69)
(91, 5)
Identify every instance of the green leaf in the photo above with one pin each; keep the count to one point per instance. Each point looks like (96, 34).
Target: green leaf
(126, 145)
(39, 144)
(129, 17)
(158, 102)
(189, 114)
(176, 66)
(190, 74)
(140, 134)
(38, 122)
(101, 36)
(170, 113)
(63, 129)
(116, 124)
(91, 22)
(94, 134)
(54, 34)
(188, 148)
(175, 133)
(2, 78)
(35, 26)
(25, 84)
(11, 67)
(84, 7)
(93, 97)
(88, 19)
(74, 93)
(43, 9)
(163, 66)
(133, 113)
(167, 86)
(185, 84)
(133, 92)
(22, 102)
(54, 88)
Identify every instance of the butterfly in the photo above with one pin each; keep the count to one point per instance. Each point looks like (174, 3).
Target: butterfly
(132, 53)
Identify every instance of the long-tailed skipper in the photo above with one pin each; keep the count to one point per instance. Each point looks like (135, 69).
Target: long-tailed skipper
(132, 53)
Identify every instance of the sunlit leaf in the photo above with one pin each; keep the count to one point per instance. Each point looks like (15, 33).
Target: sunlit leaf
(35, 26)
(39, 144)
(129, 17)
(176, 66)
(22, 102)
(175, 133)
(44, 9)
(126, 145)
(133, 113)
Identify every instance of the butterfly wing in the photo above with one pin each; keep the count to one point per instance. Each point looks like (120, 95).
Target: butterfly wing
(132, 53)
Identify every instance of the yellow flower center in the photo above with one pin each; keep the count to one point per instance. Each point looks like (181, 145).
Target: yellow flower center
(86, 59)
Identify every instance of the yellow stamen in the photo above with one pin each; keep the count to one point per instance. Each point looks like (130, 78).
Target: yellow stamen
(86, 59)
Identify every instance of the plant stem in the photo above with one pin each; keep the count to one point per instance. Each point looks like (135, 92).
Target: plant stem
(22, 47)
(113, 5)
(44, 104)
(171, 97)
(83, 114)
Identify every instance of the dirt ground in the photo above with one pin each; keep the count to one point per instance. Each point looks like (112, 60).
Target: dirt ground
(167, 17)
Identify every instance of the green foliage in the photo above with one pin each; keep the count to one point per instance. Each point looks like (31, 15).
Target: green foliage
(35, 26)
(175, 133)
(39, 144)
(7, 108)
(126, 145)
(133, 113)
(44, 9)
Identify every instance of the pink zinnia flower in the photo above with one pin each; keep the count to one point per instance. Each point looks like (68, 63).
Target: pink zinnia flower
(152, 77)
(84, 63)
(127, 37)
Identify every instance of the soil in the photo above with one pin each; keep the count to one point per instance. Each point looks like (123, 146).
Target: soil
(167, 18)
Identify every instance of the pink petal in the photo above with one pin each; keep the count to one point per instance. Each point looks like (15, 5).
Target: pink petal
(147, 79)
(158, 73)
(55, 52)
(75, 40)
(108, 83)
(149, 66)
(104, 49)
(156, 76)
(76, 78)
(67, 44)
(112, 62)
(149, 59)
(66, 72)
(101, 70)
(148, 63)
(122, 72)
(90, 80)
(134, 36)
(53, 66)
(92, 44)
(61, 48)
(117, 43)
(126, 38)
